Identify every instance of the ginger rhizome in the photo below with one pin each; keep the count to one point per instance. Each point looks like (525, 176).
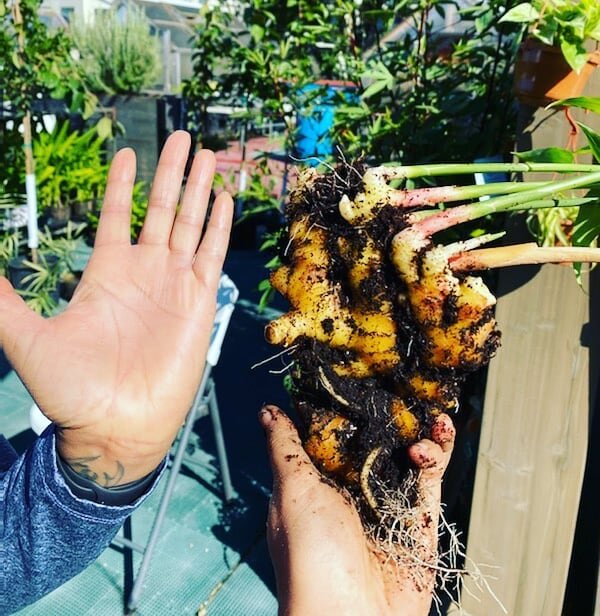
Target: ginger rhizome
(384, 323)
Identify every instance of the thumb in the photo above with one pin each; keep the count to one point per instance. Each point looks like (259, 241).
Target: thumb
(19, 325)
(286, 453)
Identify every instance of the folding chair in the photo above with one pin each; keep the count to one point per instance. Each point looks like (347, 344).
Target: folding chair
(205, 403)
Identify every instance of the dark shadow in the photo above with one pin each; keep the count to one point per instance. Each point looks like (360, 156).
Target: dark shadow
(128, 570)
(581, 590)
(241, 392)
(5, 366)
(23, 440)
(513, 278)
(242, 527)
(214, 486)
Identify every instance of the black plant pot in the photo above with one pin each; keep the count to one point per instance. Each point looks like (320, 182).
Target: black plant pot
(81, 209)
(19, 270)
(68, 284)
(60, 214)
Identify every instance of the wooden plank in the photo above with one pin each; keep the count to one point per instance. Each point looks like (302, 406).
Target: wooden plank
(533, 447)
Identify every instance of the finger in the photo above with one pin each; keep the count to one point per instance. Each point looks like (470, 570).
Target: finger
(443, 433)
(188, 222)
(19, 326)
(166, 188)
(114, 226)
(286, 453)
(431, 457)
(213, 247)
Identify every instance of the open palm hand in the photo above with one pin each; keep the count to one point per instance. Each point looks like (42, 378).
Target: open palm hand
(118, 369)
(323, 560)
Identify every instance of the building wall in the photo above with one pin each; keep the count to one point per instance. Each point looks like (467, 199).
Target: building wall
(82, 9)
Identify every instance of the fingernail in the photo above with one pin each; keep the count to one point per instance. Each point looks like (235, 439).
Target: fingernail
(418, 448)
(443, 430)
(265, 416)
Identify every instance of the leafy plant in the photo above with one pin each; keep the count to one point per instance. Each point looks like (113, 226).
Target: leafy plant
(40, 287)
(573, 226)
(409, 93)
(567, 24)
(37, 63)
(10, 244)
(70, 165)
(118, 56)
(409, 87)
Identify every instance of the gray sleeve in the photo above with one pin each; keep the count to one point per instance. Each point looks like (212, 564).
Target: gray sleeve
(48, 535)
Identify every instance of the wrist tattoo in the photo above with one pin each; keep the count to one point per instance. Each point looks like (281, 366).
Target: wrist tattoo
(82, 467)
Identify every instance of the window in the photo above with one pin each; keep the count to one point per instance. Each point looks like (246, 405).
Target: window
(67, 13)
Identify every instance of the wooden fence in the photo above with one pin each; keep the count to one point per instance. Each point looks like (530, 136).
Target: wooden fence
(526, 519)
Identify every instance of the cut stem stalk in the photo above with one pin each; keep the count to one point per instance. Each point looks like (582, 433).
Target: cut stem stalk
(471, 211)
(522, 254)
(419, 197)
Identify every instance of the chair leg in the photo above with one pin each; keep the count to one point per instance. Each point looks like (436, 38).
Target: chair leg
(220, 441)
(136, 591)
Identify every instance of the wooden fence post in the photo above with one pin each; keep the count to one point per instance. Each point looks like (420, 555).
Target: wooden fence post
(533, 447)
(540, 395)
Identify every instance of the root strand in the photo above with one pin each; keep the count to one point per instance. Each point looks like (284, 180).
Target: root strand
(364, 479)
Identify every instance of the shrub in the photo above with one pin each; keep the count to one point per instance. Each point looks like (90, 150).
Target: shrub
(119, 56)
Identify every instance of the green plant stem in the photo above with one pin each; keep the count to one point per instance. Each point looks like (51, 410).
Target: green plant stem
(540, 204)
(418, 217)
(445, 194)
(419, 171)
(520, 201)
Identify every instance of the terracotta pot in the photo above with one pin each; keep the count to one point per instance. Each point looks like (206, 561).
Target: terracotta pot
(542, 74)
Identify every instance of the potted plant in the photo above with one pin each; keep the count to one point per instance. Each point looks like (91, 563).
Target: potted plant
(85, 185)
(71, 172)
(39, 282)
(554, 63)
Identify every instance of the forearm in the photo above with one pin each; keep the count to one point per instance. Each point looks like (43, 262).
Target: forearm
(48, 535)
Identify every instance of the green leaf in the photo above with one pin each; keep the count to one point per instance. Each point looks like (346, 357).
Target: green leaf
(591, 103)
(376, 87)
(546, 155)
(574, 54)
(593, 139)
(587, 224)
(77, 102)
(90, 102)
(264, 284)
(104, 128)
(273, 263)
(354, 111)
(381, 79)
(546, 32)
(257, 32)
(522, 13)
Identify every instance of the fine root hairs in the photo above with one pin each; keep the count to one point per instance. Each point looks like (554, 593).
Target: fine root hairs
(289, 350)
(404, 536)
